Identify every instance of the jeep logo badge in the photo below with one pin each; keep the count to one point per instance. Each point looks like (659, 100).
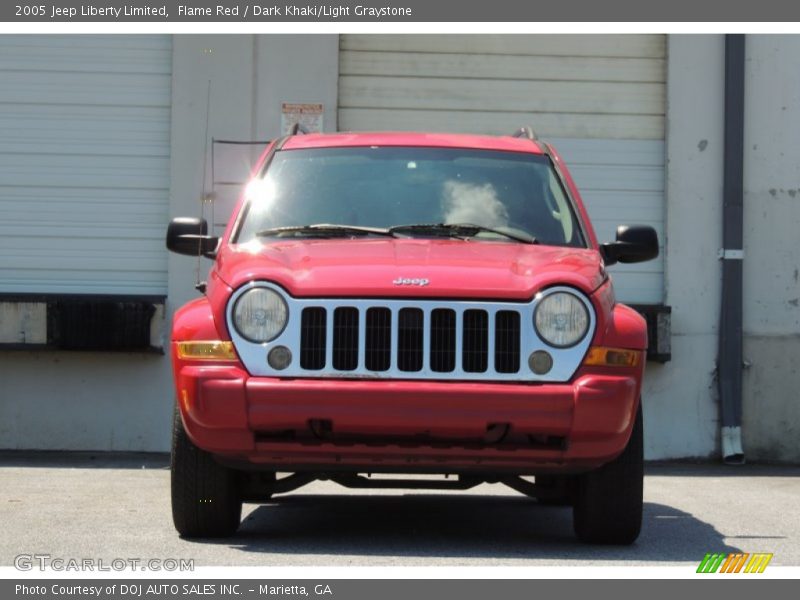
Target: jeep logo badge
(406, 281)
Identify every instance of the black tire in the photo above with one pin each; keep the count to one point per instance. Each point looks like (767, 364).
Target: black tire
(206, 501)
(608, 501)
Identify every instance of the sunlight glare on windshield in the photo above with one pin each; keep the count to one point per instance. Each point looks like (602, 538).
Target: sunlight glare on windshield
(260, 193)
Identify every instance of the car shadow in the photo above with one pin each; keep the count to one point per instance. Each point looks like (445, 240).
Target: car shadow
(458, 526)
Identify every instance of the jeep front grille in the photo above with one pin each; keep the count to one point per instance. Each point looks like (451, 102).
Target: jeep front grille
(423, 342)
(409, 338)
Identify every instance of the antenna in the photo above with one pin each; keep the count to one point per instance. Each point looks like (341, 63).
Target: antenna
(298, 128)
(198, 284)
(526, 132)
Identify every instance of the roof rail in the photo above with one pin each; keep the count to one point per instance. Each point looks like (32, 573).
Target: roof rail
(297, 128)
(526, 132)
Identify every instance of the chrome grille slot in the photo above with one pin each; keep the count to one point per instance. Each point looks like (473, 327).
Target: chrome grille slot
(313, 333)
(443, 340)
(345, 338)
(410, 339)
(475, 344)
(506, 341)
(378, 341)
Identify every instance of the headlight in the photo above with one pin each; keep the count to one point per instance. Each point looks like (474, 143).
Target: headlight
(561, 319)
(260, 315)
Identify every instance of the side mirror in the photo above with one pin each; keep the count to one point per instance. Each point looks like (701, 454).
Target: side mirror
(635, 243)
(188, 235)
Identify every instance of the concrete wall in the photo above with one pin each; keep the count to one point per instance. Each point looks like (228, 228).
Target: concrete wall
(682, 410)
(96, 401)
(681, 414)
(771, 411)
(84, 401)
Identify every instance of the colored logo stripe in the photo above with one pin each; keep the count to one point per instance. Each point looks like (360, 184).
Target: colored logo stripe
(758, 563)
(710, 563)
(734, 563)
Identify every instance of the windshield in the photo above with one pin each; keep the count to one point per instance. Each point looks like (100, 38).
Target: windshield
(386, 187)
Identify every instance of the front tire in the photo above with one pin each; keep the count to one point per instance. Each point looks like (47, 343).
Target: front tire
(608, 502)
(206, 499)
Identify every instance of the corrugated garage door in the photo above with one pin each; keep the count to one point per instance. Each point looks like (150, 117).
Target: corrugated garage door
(599, 98)
(84, 163)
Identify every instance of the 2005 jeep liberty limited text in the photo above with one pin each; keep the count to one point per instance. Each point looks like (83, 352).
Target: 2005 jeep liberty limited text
(409, 303)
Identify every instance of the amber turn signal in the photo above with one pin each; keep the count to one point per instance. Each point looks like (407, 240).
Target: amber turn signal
(611, 357)
(207, 350)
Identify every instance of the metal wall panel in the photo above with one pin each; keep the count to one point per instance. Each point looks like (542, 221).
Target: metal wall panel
(84, 163)
(583, 97)
(626, 46)
(599, 98)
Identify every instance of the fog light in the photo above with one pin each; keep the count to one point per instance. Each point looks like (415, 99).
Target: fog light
(279, 358)
(540, 362)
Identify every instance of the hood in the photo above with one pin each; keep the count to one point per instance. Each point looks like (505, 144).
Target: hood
(433, 268)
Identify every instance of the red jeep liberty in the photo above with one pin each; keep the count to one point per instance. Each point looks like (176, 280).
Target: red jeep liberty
(409, 303)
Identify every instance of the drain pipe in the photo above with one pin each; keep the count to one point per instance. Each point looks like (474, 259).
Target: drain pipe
(732, 255)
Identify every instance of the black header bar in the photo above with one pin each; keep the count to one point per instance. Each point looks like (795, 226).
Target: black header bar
(454, 11)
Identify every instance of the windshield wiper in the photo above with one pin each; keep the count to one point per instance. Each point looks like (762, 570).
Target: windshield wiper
(452, 230)
(460, 230)
(323, 230)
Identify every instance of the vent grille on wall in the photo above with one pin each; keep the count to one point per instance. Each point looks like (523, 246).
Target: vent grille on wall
(659, 330)
(89, 323)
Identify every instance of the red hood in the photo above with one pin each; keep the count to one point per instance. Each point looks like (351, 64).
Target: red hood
(369, 267)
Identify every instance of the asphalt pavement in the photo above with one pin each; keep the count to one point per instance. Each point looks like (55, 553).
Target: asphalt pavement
(101, 506)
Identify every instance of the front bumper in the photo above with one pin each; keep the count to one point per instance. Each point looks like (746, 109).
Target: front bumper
(408, 426)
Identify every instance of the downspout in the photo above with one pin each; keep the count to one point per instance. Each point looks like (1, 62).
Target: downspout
(732, 255)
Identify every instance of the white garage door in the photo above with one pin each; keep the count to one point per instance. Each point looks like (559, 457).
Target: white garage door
(599, 98)
(84, 163)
